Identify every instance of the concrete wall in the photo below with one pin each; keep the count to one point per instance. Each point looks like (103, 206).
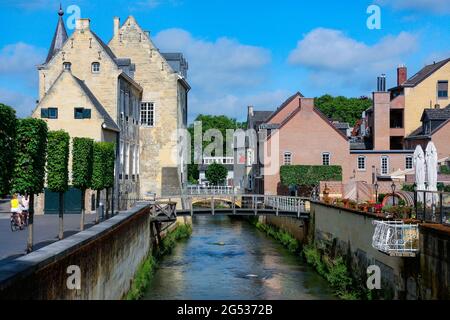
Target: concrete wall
(108, 255)
(296, 227)
(347, 233)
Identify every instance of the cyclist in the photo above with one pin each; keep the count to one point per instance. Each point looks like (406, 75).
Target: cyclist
(15, 210)
(24, 208)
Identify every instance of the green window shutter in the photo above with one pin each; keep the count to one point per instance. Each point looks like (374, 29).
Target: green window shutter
(87, 113)
(44, 113)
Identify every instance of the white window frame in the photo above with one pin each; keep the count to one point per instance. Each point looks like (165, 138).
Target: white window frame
(326, 154)
(384, 173)
(409, 158)
(93, 70)
(127, 160)
(67, 64)
(150, 112)
(287, 154)
(365, 163)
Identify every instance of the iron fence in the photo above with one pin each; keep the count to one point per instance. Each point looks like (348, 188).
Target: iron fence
(432, 206)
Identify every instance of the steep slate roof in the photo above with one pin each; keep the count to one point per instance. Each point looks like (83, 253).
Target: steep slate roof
(105, 47)
(436, 114)
(284, 104)
(59, 38)
(109, 122)
(424, 73)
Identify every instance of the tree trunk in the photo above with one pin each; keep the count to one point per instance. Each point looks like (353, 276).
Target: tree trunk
(83, 209)
(97, 200)
(107, 203)
(30, 224)
(61, 215)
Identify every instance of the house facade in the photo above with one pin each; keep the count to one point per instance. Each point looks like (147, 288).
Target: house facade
(89, 91)
(163, 109)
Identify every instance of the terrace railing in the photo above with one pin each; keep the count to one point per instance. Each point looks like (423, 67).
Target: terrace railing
(432, 206)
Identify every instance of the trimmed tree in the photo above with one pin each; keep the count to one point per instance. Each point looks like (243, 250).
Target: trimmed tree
(8, 123)
(103, 169)
(58, 169)
(110, 156)
(216, 174)
(82, 160)
(29, 166)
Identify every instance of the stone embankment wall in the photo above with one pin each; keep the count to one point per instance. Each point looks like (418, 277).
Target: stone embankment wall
(340, 232)
(107, 256)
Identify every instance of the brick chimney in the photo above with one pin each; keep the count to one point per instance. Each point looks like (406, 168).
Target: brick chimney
(402, 74)
(116, 26)
(307, 104)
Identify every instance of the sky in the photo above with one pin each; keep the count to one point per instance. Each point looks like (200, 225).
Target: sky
(247, 52)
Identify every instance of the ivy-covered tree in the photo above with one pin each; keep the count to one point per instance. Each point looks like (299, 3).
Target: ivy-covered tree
(8, 123)
(58, 169)
(29, 166)
(216, 174)
(103, 169)
(82, 161)
(342, 108)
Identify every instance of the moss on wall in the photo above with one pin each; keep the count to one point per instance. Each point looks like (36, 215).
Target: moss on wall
(147, 268)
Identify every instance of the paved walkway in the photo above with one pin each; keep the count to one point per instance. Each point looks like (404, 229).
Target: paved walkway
(13, 244)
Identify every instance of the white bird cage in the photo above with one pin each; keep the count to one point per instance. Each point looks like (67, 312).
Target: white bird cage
(396, 239)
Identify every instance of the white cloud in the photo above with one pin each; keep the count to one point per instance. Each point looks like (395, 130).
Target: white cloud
(434, 6)
(19, 61)
(335, 59)
(22, 103)
(217, 67)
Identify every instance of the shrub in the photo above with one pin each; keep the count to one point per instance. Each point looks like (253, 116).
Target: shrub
(309, 175)
(216, 174)
(444, 169)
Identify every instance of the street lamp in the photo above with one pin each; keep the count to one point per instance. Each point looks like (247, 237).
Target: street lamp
(393, 186)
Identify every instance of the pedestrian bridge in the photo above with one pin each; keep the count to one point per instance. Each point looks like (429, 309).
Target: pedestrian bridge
(168, 209)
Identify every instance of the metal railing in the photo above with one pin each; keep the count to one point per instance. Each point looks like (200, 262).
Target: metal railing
(198, 190)
(396, 238)
(432, 206)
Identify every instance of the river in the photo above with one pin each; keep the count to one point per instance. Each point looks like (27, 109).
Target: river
(230, 259)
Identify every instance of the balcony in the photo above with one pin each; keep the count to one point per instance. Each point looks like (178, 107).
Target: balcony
(398, 102)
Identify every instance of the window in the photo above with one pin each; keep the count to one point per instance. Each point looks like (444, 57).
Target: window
(95, 67)
(409, 162)
(121, 158)
(443, 89)
(67, 66)
(361, 163)
(326, 159)
(82, 113)
(287, 158)
(49, 113)
(147, 114)
(384, 165)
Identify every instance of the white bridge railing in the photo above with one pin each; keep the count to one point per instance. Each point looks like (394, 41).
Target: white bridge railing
(291, 204)
(206, 190)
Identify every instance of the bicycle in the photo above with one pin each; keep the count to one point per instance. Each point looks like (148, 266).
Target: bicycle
(15, 224)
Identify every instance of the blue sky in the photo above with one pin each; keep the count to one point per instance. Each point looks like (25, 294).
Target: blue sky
(245, 52)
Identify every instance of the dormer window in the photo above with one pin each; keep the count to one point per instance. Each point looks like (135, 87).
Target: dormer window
(67, 66)
(95, 67)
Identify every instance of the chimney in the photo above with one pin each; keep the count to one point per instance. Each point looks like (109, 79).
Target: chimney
(381, 83)
(402, 74)
(251, 111)
(82, 24)
(116, 26)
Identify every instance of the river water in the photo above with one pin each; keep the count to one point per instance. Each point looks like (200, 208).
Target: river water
(230, 259)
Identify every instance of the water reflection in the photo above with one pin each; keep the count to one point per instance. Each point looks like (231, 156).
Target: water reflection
(230, 259)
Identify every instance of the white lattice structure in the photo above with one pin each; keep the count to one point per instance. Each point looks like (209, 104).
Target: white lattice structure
(396, 238)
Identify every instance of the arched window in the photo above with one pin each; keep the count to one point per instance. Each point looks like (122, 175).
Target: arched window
(67, 66)
(95, 67)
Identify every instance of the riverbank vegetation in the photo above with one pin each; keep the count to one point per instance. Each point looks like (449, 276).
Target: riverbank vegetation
(147, 268)
(335, 271)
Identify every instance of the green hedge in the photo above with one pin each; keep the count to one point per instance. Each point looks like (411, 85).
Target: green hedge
(309, 175)
(444, 169)
(58, 161)
(8, 124)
